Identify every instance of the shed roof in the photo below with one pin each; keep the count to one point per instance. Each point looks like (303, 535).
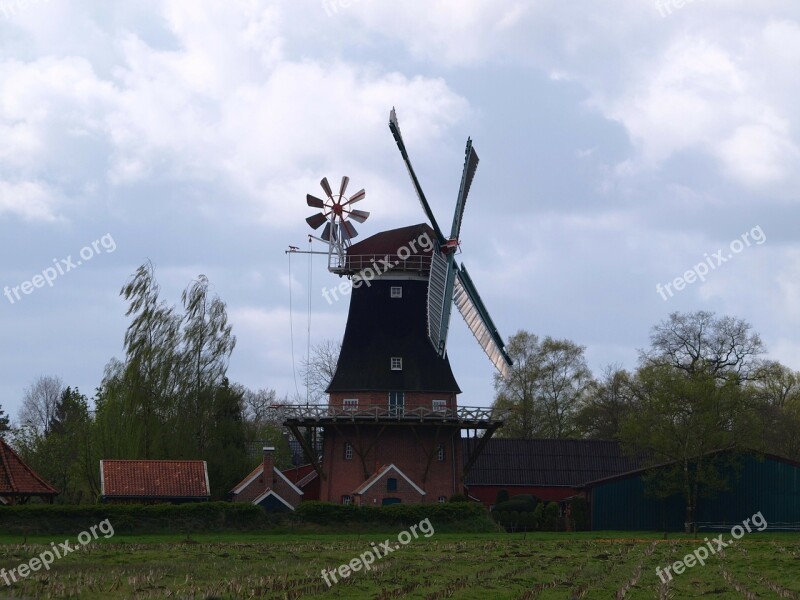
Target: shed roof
(547, 462)
(154, 479)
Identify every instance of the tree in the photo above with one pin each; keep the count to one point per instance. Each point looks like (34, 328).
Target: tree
(39, 404)
(517, 393)
(256, 406)
(208, 344)
(608, 402)
(5, 426)
(698, 342)
(776, 391)
(226, 453)
(320, 367)
(545, 388)
(65, 455)
(565, 379)
(692, 408)
(152, 367)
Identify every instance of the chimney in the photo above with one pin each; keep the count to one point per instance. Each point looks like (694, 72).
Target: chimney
(269, 466)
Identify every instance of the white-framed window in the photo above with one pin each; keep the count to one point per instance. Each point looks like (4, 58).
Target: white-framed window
(350, 404)
(397, 363)
(397, 401)
(348, 451)
(442, 499)
(440, 452)
(439, 405)
(396, 292)
(346, 499)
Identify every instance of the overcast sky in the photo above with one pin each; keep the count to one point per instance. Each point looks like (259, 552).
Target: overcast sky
(622, 144)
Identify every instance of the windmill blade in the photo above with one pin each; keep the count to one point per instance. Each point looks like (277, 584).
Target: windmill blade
(471, 307)
(314, 202)
(343, 187)
(326, 187)
(357, 197)
(328, 232)
(359, 215)
(437, 290)
(395, 129)
(471, 161)
(348, 231)
(316, 220)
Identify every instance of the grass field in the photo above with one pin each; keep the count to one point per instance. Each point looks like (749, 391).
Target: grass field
(480, 566)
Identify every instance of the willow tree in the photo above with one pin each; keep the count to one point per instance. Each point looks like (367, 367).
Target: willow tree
(152, 360)
(207, 346)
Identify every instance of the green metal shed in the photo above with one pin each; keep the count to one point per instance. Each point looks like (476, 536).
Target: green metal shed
(764, 483)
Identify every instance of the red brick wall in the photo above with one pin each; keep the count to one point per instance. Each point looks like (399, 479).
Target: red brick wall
(412, 399)
(405, 492)
(252, 491)
(259, 485)
(398, 445)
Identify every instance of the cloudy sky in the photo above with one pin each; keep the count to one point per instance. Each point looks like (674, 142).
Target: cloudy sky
(622, 143)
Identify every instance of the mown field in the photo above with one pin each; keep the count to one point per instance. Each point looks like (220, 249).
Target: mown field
(481, 566)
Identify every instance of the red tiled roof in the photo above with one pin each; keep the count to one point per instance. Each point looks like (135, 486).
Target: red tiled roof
(17, 478)
(154, 479)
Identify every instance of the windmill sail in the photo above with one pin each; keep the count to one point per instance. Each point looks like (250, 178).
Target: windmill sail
(395, 128)
(437, 284)
(471, 161)
(479, 322)
(446, 282)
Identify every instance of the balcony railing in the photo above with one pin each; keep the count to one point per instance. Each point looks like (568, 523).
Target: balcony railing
(463, 414)
(358, 263)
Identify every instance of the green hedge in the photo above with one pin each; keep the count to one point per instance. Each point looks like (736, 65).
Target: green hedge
(45, 519)
(133, 518)
(325, 513)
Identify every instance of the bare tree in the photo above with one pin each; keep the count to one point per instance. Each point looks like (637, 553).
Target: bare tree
(318, 370)
(40, 403)
(699, 342)
(256, 406)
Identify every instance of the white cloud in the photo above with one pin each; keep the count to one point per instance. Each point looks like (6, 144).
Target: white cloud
(32, 201)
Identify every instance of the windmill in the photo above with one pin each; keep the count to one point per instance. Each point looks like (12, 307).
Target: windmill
(448, 282)
(392, 428)
(336, 211)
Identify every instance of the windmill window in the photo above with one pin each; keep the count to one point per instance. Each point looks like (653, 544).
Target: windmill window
(396, 291)
(397, 363)
(391, 484)
(350, 404)
(442, 499)
(439, 405)
(345, 500)
(396, 404)
(440, 453)
(348, 451)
